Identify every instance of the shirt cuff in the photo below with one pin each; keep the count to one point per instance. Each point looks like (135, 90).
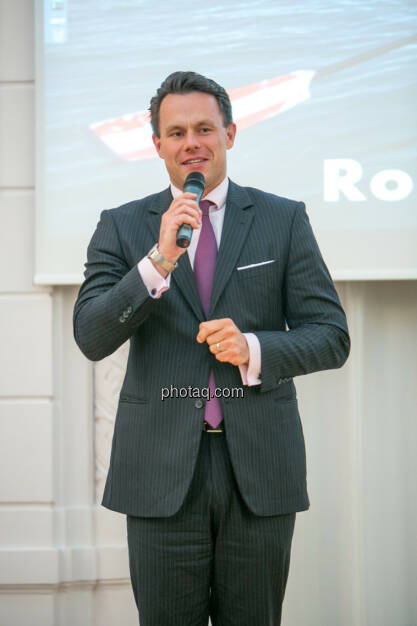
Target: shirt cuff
(155, 283)
(250, 372)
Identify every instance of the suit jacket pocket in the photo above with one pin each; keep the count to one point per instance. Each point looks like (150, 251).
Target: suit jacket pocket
(286, 410)
(263, 270)
(130, 399)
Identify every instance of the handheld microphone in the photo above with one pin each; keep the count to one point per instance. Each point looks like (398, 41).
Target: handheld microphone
(194, 183)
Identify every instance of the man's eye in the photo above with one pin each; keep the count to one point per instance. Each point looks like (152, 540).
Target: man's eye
(205, 130)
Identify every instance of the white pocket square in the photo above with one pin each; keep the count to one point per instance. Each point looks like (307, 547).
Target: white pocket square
(245, 267)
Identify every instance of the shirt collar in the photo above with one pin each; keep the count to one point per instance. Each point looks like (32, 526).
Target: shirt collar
(217, 195)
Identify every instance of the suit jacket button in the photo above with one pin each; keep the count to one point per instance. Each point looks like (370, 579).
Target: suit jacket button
(198, 404)
(125, 314)
(129, 309)
(122, 319)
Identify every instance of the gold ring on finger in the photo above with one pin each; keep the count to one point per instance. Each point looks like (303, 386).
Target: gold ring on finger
(218, 347)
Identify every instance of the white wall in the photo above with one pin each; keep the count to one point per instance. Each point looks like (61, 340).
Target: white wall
(26, 384)
(63, 558)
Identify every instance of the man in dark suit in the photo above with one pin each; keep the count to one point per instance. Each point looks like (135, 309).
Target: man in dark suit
(210, 486)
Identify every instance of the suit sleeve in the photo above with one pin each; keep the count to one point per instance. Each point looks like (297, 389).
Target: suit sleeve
(113, 299)
(317, 337)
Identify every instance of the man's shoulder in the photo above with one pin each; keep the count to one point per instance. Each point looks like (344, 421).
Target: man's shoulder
(267, 201)
(156, 201)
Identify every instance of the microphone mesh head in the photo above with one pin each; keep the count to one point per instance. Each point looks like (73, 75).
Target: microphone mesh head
(195, 178)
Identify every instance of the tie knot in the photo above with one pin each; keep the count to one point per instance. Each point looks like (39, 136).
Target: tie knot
(205, 205)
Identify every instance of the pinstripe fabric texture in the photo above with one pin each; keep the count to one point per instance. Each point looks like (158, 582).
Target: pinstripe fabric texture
(212, 541)
(290, 304)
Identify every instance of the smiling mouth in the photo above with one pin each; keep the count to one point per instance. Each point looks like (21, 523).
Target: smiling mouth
(194, 161)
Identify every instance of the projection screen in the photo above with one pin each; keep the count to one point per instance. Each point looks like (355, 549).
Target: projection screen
(323, 93)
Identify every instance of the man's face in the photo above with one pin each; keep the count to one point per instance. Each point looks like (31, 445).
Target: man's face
(193, 138)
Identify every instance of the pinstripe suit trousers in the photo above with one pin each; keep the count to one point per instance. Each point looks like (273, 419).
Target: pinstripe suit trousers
(214, 557)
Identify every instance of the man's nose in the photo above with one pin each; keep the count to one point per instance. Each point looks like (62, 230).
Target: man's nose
(191, 140)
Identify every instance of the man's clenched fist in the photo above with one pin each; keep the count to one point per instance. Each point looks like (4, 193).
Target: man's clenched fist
(225, 341)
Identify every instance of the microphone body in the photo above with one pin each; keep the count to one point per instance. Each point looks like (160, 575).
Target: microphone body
(194, 183)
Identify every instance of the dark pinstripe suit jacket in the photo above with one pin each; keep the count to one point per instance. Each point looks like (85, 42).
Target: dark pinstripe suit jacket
(290, 304)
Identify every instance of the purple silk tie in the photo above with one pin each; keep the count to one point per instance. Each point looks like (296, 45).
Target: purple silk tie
(204, 266)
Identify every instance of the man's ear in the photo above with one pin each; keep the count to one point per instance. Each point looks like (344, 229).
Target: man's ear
(230, 135)
(157, 143)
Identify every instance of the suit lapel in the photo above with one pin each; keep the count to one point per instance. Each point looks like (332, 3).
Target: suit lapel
(183, 275)
(237, 221)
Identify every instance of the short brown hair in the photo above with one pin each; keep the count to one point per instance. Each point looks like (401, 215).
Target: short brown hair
(187, 82)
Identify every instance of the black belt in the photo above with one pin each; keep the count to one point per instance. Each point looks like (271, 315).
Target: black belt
(209, 429)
